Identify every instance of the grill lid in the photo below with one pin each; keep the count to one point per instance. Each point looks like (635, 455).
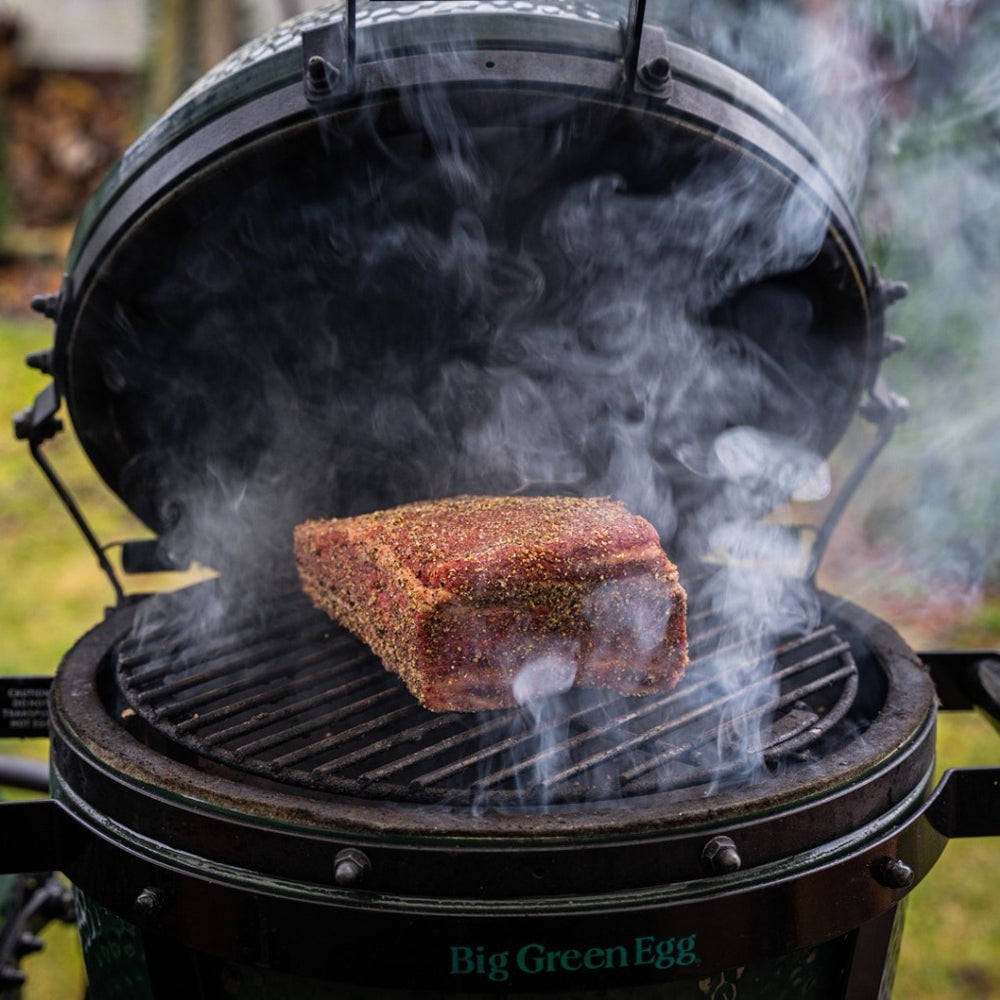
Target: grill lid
(476, 256)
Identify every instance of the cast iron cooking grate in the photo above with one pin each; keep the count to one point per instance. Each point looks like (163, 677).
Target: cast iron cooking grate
(282, 692)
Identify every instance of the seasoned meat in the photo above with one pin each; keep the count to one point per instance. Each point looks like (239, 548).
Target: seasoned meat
(483, 602)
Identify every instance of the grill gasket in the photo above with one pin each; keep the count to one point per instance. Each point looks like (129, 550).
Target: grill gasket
(280, 691)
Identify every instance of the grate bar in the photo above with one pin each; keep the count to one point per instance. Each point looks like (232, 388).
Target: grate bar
(264, 720)
(717, 732)
(389, 743)
(477, 733)
(317, 671)
(658, 732)
(497, 749)
(313, 723)
(363, 729)
(216, 668)
(651, 705)
(146, 661)
(299, 670)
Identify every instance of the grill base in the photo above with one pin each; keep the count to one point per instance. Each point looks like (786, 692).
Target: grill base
(854, 966)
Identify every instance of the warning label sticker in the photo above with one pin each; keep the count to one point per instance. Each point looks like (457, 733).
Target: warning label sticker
(24, 706)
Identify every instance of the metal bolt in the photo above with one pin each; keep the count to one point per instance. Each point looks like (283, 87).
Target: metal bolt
(893, 873)
(720, 856)
(47, 305)
(892, 291)
(150, 903)
(40, 360)
(28, 944)
(656, 73)
(351, 867)
(11, 978)
(892, 344)
(322, 75)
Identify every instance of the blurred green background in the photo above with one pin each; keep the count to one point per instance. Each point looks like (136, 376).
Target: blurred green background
(920, 545)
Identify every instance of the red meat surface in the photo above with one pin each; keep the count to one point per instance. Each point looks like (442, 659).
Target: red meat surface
(484, 602)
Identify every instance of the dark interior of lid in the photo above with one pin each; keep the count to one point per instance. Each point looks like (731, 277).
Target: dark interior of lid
(359, 312)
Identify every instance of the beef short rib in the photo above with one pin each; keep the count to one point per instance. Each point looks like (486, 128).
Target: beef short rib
(484, 602)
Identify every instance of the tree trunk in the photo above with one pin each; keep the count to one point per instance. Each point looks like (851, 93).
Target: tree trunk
(191, 36)
(218, 31)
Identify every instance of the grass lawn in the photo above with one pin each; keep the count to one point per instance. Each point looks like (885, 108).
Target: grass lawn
(52, 590)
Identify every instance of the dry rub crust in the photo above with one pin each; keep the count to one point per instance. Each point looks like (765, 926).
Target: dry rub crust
(478, 602)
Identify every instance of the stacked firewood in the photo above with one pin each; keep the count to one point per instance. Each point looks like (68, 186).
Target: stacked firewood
(63, 131)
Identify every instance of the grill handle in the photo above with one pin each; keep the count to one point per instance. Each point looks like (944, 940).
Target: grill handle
(967, 679)
(24, 773)
(966, 802)
(38, 836)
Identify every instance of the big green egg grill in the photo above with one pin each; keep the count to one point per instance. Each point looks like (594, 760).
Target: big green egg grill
(413, 250)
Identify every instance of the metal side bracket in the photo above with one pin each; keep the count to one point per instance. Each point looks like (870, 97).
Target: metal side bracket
(36, 425)
(38, 836)
(646, 59)
(966, 679)
(886, 410)
(966, 803)
(329, 57)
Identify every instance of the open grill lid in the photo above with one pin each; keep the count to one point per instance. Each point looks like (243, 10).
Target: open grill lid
(463, 247)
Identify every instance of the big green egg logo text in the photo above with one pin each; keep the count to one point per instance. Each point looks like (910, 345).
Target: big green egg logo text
(537, 959)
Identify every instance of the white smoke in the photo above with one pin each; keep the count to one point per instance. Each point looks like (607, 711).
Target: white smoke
(444, 356)
(905, 98)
